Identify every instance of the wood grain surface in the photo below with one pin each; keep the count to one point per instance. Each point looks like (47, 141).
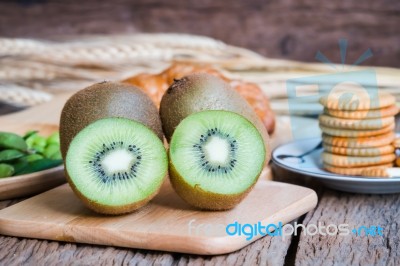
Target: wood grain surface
(333, 207)
(166, 223)
(284, 29)
(354, 210)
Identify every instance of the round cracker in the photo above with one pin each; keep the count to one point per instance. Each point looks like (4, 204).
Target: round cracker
(356, 161)
(356, 99)
(361, 142)
(391, 110)
(362, 152)
(357, 124)
(351, 171)
(352, 133)
(396, 143)
(376, 172)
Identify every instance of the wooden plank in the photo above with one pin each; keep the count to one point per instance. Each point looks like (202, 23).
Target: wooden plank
(15, 251)
(335, 207)
(355, 210)
(305, 28)
(166, 223)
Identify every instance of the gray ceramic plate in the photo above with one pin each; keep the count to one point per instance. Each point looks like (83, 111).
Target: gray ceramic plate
(311, 165)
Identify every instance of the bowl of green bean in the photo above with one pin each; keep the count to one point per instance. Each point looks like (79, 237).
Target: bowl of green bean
(30, 159)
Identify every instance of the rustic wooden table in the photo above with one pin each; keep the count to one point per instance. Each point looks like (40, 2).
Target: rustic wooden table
(377, 22)
(333, 208)
(284, 29)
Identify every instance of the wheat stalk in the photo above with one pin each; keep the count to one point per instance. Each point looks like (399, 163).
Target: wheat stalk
(74, 62)
(21, 96)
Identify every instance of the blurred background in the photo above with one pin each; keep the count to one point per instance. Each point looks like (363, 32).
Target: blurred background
(289, 29)
(51, 47)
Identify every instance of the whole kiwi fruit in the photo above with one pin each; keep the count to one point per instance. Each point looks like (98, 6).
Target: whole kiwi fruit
(218, 145)
(111, 142)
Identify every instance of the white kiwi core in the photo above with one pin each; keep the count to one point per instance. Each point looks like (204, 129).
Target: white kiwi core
(217, 150)
(118, 161)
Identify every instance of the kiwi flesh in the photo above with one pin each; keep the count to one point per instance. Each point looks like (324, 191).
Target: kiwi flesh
(116, 165)
(215, 159)
(97, 119)
(199, 92)
(218, 145)
(102, 100)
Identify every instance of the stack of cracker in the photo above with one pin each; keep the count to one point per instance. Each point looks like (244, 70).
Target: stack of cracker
(396, 145)
(357, 131)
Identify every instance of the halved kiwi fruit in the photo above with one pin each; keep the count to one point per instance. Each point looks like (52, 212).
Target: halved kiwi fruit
(215, 159)
(218, 146)
(116, 165)
(111, 142)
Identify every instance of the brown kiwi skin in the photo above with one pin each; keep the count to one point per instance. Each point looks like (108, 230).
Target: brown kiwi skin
(200, 92)
(195, 93)
(202, 199)
(102, 100)
(109, 210)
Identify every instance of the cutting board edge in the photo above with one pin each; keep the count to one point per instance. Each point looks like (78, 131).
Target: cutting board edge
(203, 245)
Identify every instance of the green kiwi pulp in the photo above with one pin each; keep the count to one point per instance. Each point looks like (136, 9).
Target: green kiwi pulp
(116, 165)
(215, 159)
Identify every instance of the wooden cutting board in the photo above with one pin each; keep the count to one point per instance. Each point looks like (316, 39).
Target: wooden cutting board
(167, 223)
